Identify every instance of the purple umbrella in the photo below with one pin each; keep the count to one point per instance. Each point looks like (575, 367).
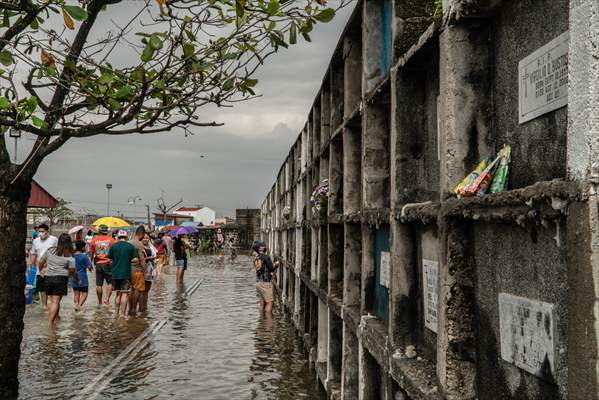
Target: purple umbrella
(183, 230)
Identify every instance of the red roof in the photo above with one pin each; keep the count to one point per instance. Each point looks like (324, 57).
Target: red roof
(40, 198)
(189, 209)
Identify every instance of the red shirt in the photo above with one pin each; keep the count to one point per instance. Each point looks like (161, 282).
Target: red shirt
(161, 248)
(98, 248)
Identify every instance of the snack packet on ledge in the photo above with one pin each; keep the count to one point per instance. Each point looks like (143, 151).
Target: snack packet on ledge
(471, 177)
(481, 184)
(499, 183)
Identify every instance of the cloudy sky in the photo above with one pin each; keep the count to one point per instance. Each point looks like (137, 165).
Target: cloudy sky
(240, 159)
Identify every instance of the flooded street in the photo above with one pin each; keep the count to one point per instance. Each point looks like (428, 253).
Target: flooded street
(198, 342)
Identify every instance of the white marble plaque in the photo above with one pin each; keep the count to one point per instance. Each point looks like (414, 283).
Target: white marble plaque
(430, 276)
(385, 269)
(527, 334)
(543, 79)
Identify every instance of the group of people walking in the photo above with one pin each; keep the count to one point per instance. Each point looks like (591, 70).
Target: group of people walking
(125, 267)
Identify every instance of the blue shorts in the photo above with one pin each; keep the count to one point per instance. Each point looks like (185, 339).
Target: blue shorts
(180, 263)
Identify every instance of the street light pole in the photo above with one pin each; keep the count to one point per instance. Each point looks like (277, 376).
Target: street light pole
(16, 134)
(108, 187)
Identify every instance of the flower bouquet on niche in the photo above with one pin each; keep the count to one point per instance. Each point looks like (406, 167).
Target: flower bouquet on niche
(320, 198)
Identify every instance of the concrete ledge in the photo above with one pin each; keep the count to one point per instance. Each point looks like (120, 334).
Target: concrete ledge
(373, 336)
(335, 305)
(417, 377)
(546, 200)
(376, 216)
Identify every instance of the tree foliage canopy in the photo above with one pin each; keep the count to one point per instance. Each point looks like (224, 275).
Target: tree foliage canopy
(60, 76)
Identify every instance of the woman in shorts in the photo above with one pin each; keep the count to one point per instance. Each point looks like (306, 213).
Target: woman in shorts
(57, 264)
(180, 257)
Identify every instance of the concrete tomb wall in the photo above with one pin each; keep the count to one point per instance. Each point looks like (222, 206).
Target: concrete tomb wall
(399, 289)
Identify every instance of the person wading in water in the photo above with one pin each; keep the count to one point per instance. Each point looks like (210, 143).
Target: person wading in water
(40, 245)
(265, 270)
(58, 263)
(122, 254)
(180, 258)
(138, 270)
(98, 252)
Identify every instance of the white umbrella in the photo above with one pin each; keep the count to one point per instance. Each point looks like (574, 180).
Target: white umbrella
(75, 229)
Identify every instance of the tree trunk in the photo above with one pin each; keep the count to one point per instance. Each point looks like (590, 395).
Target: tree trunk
(13, 232)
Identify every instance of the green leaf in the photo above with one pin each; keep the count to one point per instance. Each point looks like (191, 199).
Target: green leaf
(76, 12)
(147, 54)
(273, 7)
(325, 15)
(190, 35)
(2, 71)
(239, 9)
(138, 74)
(293, 34)
(188, 50)
(114, 105)
(277, 38)
(306, 37)
(228, 85)
(6, 58)
(124, 93)
(92, 102)
(106, 78)
(272, 25)
(155, 42)
(31, 104)
(251, 82)
(4, 103)
(5, 20)
(306, 26)
(35, 24)
(40, 123)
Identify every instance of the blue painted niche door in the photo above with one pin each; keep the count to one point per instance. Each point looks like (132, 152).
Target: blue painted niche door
(382, 270)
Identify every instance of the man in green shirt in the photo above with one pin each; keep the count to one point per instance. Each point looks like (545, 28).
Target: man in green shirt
(122, 255)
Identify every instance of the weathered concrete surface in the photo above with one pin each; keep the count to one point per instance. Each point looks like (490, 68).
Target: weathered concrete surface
(465, 83)
(531, 263)
(538, 146)
(414, 133)
(453, 96)
(456, 366)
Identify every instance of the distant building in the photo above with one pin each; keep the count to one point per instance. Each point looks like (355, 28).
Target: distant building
(205, 215)
(170, 219)
(248, 221)
(224, 220)
(39, 199)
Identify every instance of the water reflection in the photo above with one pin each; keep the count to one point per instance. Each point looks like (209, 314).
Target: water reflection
(213, 345)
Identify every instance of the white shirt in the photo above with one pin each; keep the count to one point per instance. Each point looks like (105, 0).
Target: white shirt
(39, 247)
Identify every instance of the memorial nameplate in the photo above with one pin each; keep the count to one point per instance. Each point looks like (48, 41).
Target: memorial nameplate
(385, 279)
(543, 79)
(430, 274)
(527, 333)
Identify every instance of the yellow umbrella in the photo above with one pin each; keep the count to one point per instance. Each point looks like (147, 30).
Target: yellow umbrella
(111, 222)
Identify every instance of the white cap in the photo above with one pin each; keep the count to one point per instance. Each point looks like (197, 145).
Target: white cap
(122, 233)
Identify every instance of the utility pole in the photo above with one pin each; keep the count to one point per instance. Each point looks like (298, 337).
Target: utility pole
(149, 220)
(108, 187)
(16, 134)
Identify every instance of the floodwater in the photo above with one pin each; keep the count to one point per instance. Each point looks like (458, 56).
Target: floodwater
(204, 344)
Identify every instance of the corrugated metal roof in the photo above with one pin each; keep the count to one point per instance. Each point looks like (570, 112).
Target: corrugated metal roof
(188, 209)
(40, 198)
